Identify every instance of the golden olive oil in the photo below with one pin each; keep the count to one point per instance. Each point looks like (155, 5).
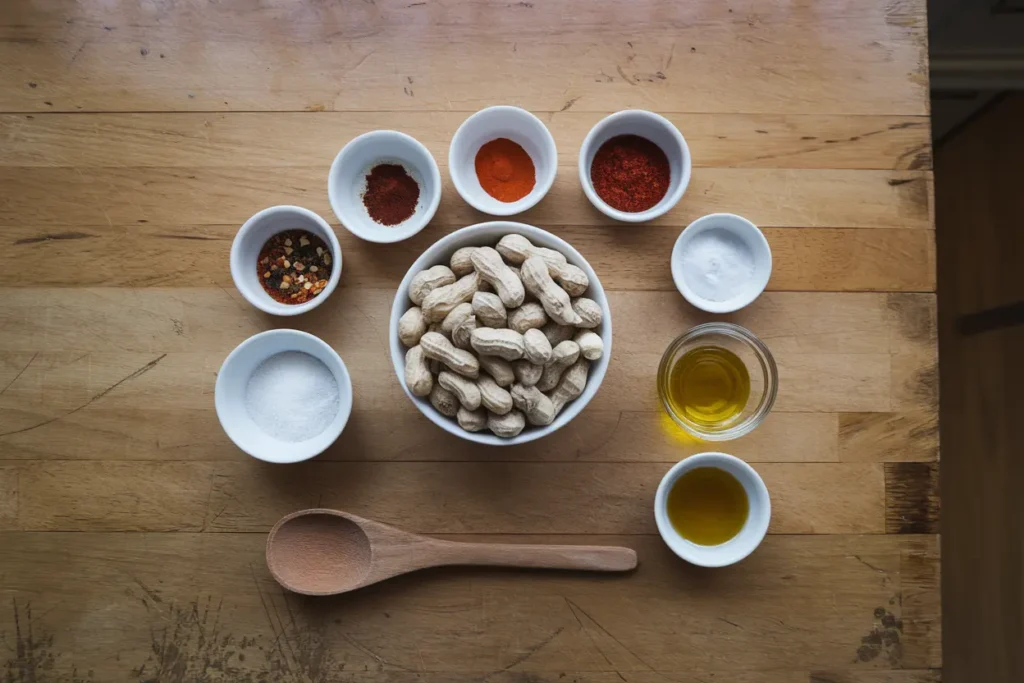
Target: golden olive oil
(707, 506)
(708, 386)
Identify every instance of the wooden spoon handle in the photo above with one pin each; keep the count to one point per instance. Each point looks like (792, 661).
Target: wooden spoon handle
(582, 557)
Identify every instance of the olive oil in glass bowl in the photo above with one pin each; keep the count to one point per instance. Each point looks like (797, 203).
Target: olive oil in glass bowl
(717, 381)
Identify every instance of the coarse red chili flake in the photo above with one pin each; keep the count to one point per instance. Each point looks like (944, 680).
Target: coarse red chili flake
(630, 173)
(294, 266)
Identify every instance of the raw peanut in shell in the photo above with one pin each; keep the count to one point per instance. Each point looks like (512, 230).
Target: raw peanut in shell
(572, 279)
(590, 343)
(489, 310)
(492, 269)
(537, 407)
(526, 373)
(493, 397)
(553, 298)
(529, 316)
(516, 249)
(472, 420)
(411, 326)
(437, 346)
(427, 281)
(444, 401)
(537, 348)
(460, 261)
(461, 334)
(466, 390)
(589, 312)
(417, 373)
(571, 385)
(440, 302)
(456, 317)
(562, 356)
(499, 369)
(507, 425)
(556, 333)
(507, 344)
(435, 327)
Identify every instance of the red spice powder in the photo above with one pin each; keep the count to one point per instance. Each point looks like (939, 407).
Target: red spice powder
(630, 173)
(391, 194)
(505, 170)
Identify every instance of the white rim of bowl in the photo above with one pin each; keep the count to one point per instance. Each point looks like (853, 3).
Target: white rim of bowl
(539, 191)
(290, 309)
(383, 237)
(678, 544)
(668, 202)
(346, 379)
(737, 302)
(450, 425)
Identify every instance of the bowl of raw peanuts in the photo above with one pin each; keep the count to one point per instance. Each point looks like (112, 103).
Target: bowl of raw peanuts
(500, 333)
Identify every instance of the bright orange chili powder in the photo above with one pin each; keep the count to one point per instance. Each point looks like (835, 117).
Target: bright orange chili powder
(505, 170)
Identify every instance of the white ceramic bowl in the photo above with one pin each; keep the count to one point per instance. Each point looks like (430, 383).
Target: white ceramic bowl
(347, 182)
(251, 237)
(519, 126)
(730, 229)
(740, 545)
(233, 378)
(488, 234)
(653, 127)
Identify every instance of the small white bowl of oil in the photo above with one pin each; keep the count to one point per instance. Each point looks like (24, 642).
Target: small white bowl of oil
(712, 509)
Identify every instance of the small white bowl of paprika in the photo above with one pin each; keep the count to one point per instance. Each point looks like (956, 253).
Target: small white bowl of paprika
(503, 160)
(634, 165)
(384, 186)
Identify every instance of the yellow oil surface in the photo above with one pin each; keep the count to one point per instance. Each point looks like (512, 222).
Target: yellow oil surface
(708, 386)
(707, 506)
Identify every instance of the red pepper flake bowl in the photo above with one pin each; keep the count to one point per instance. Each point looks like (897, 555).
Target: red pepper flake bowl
(249, 242)
(354, 187)
(632, 169)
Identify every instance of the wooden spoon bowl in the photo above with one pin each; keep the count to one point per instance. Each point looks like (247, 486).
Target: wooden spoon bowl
(326, 552)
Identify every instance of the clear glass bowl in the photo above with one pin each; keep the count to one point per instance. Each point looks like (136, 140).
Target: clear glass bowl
(760, 365)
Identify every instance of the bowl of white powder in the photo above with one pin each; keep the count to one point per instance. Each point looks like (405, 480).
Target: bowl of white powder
(721, 262)
(283, 396)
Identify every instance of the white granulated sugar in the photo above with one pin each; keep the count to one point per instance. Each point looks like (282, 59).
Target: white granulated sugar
(292, 396)
(717, 265)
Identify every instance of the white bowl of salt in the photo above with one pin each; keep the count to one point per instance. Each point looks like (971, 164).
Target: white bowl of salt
(721, 262)
(283, 396)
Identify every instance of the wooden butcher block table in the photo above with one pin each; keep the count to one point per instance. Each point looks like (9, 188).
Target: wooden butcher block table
(139, 136)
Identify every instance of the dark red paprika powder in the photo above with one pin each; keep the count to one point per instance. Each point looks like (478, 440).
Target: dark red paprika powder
(630, 173)
(391, 194)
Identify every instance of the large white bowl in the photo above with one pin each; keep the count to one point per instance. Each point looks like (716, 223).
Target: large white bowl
(488, 234)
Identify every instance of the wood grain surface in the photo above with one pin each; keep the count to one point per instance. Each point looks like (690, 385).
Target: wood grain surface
(136, 137)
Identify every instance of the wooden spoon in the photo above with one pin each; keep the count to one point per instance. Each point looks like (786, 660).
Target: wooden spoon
(325, 552)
